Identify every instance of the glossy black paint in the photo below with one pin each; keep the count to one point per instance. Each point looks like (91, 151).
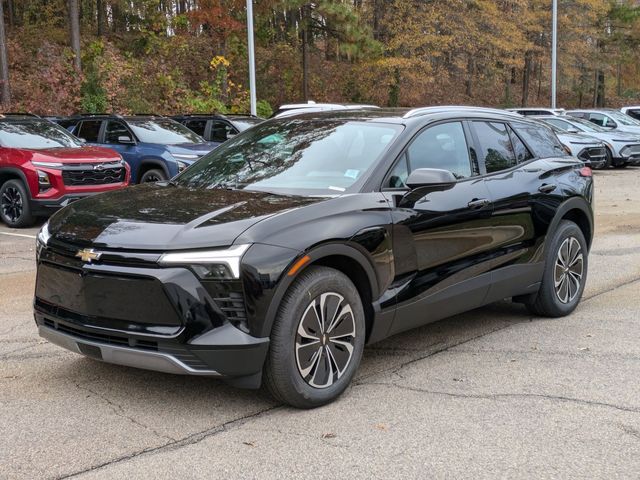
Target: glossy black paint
(415, 256)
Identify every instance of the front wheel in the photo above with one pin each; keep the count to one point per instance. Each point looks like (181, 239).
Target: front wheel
(317, 339)
(153, 175)
(565, 273)
(15, 210)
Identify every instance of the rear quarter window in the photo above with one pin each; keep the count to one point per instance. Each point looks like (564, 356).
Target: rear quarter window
(540, 139)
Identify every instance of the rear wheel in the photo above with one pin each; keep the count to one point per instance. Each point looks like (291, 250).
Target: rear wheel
(609, 158)
(317, 339)
(15, 210)
(153, 175)
(565, 273)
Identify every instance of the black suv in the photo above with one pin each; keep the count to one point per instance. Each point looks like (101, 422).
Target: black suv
(279, 255)
(217, 127)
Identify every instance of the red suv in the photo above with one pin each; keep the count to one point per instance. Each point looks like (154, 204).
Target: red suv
(43, 167)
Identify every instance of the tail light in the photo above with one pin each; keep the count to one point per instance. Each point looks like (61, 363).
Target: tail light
(585, 172)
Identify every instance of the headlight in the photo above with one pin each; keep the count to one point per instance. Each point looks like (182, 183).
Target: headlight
(185, 156)
(212, 264)
(181, 166)
(43, 235)
(44, 182)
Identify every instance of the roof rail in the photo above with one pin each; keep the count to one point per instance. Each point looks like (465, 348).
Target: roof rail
(147, 115)
(85, 114)
(20, 114)
(415, 112)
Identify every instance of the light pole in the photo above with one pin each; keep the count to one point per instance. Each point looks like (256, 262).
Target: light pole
(554, 51)
(252, 59)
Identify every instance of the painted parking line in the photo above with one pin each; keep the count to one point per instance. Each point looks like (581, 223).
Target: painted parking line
(18, 235)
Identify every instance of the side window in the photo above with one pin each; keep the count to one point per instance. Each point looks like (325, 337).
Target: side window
(520, 149)
(89, 130)
(198, 126)
(115, 130)
(442, 146)
(562, 125)
(602, 120)
(497, 150)
(399, 174)
(219, 131)
(541, 139)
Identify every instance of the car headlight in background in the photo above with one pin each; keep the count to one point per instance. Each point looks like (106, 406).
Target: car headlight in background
(181, 166)
(209, 264)
(567, 150)
(44, 182)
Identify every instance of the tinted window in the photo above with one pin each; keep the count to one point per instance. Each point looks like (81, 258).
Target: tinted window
(541, 139)
(163, 131)
(294, 157)
(495, 143)
(561, 124)
(220, 131)
(520, 149)
(115, 130)
(198, 126)
(634, 113)
(89, 130)
(399, 174)
(442, 146)
(35, 135)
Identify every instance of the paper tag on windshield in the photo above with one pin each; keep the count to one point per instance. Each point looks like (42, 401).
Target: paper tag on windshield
(352, 173)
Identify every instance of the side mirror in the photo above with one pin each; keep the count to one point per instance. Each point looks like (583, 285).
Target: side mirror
(422, 182)
(430, 177)
(125, 139)
(572, 130)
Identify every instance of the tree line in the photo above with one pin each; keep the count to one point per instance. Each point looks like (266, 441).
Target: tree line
(165, 56)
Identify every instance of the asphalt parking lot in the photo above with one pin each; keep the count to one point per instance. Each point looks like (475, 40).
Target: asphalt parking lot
(491, 393)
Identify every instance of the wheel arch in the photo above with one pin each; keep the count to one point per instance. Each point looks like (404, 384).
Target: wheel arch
(150, 163)
(348, 259)
(579, 212)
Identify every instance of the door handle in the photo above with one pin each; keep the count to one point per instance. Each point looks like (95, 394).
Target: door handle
(478, 203)
(547, 188)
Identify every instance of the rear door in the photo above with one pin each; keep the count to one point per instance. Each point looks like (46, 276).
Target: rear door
(441, 236)
(514, 175)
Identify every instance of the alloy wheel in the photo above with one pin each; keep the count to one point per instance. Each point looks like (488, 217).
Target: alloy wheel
(12, 204)
(325, 340)
(568, 270)
(152, 178)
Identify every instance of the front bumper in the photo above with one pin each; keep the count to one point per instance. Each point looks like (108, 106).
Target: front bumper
(142, 316)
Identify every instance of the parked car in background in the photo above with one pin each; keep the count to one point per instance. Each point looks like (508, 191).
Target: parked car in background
(534, 111)
(43, 167)
(633, 111)
(622, 148)
(155, 147)
(609, 118)
(277, 257)
(312, 107)
(216, 127)
(588, 149)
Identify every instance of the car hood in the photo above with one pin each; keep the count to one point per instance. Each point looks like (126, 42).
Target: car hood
(165, 217)
(74, 155)
(199, 149)
(578, 139)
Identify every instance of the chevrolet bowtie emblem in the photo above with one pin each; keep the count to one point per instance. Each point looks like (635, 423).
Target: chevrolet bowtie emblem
(88, 255)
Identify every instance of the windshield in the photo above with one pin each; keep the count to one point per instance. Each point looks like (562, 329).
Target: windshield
(36, 135)
(587, 126)
(319, 157)
(624, 119)
(165, 132)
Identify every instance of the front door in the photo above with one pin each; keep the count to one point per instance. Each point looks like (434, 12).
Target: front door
(441, 236)
(114, 137)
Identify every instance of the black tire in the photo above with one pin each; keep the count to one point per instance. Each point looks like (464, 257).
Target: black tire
(153, 175)
(552, 300)
(15, 207)
(292, 348)
(609, 159)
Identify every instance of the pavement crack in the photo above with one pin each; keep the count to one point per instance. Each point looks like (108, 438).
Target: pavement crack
(629, 430)
(178, 443)
(119, 411)
(494, 396)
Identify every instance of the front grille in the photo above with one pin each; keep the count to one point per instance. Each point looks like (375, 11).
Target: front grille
(93, 176)
(116, 340)
(593, 154)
